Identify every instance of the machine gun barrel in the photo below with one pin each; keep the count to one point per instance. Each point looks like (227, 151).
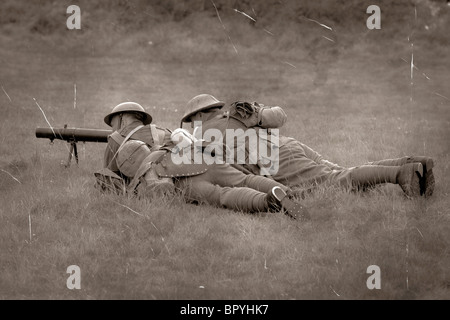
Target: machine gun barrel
(74, 134)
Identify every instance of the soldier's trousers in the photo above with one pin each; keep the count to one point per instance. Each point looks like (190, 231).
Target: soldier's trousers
(224, 186)
(427, 162)
(301, 166)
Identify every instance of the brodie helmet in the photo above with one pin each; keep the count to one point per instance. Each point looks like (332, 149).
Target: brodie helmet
(128, 107)
(200, 103)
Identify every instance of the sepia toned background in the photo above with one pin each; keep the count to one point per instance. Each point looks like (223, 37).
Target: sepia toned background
(352, 94)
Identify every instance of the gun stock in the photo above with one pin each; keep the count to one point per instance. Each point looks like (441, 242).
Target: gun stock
(72, 136)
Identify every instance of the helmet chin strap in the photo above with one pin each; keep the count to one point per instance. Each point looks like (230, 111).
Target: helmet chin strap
(126, 118)
(120, 121)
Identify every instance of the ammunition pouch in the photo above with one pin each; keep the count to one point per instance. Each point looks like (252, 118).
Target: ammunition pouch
(130, 156)
(147, 181)
(166, 168)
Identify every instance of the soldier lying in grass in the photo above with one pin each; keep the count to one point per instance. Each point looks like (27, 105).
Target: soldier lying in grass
(139, 160)
(299, 165)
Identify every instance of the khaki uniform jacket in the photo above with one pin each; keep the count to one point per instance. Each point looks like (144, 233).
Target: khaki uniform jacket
(276, 119)
(144, 134)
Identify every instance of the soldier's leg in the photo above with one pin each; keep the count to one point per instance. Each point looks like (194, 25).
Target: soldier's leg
(262, 183)
(297, 169)
(426, 181)
(426, 161)
(200, 189)
(228, 176)
(406, 176)
(318, 158)
(222, 186)
(250, 200)
(243, 199)
(279, 196)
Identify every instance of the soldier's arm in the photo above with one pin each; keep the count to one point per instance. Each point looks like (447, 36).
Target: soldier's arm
(109, 160)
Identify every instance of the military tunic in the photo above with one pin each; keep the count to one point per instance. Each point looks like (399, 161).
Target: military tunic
(300, 165)
(217, 184)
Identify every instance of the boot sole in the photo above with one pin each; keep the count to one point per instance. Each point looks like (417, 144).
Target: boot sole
(292, 209)
(427, 178)
(412, 186)
(427, 183)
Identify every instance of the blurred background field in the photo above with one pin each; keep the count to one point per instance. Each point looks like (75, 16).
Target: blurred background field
(350, 93)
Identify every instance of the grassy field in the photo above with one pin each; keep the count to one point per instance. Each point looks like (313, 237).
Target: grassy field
(351, 94)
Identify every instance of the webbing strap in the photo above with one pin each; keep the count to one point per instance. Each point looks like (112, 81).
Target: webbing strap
(128, 137)
(115, 135)
(155, 136)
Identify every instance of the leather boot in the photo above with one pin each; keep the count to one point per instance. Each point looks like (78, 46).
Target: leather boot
(278, 200)
(426, 180)
(407, 176)
(371, 175)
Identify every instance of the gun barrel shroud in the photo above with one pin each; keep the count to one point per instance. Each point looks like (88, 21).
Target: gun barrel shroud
(74, 134)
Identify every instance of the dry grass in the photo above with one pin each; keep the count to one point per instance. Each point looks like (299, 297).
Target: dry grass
(350, 100)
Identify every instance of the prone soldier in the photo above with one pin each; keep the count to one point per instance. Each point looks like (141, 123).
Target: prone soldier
(139, 154)
(299, 165)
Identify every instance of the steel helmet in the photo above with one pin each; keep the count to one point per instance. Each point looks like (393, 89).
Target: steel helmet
(128, 107)
(200, 103)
